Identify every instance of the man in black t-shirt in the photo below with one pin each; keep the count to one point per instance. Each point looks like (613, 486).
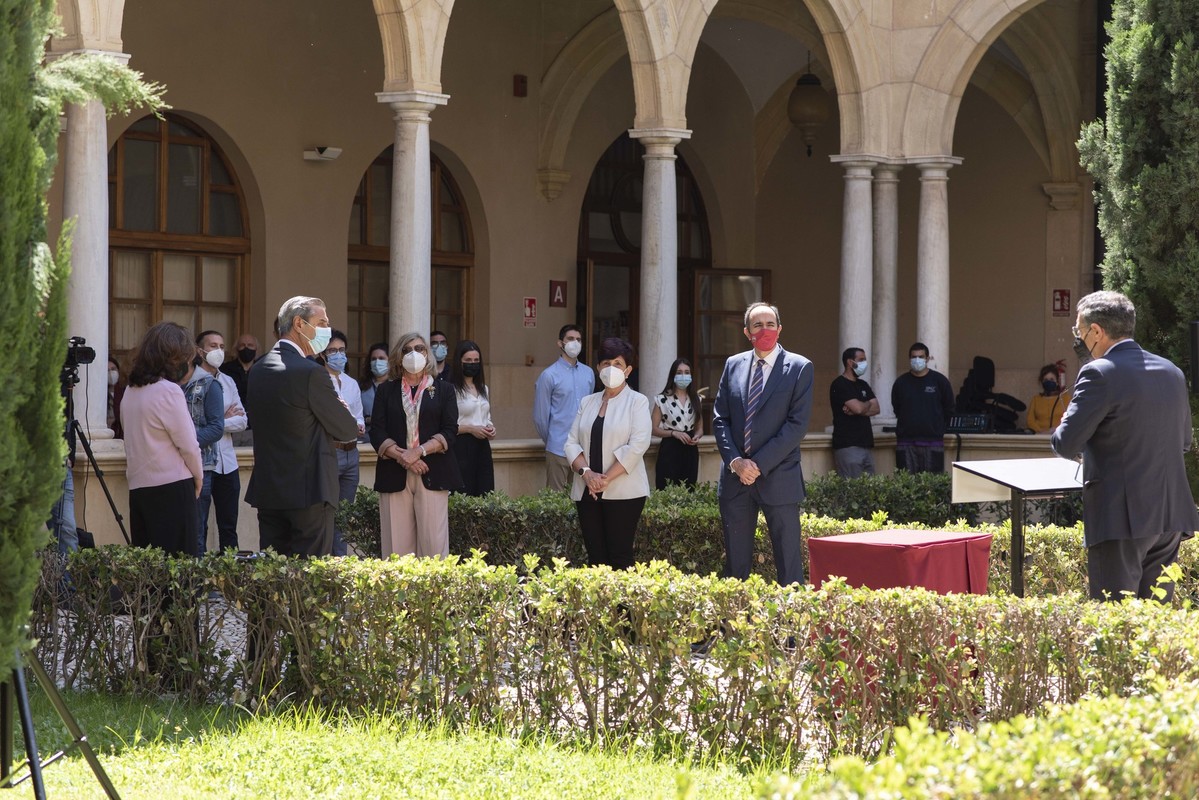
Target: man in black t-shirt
(923, 402)
(853, 405)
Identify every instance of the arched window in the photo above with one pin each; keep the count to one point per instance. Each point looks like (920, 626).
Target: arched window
(178, 242)
(369, 273)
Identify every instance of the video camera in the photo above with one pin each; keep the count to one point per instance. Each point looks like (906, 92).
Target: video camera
(78, 354)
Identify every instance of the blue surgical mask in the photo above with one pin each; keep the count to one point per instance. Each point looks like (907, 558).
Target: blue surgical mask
(337, 361)
(440, 351)
(918, 364)
(859, 368)
(379, 367)
(321, 340)
(682, 381)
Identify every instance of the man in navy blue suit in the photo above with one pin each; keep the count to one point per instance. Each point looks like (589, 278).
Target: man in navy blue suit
(760, 417)
(1130, 420)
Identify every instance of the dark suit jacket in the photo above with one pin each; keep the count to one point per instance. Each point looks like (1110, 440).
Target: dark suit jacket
(1130, 419)
(779, 425)
(438, 414)
(296, 416)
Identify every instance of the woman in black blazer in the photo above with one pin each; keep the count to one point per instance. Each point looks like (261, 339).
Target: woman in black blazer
(413, 425)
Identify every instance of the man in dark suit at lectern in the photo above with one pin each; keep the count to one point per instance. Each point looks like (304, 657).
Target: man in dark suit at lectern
(1130, 420)
(297, 416)
(760, 417)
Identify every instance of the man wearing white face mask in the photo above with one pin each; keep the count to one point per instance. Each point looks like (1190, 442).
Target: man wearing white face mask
(222, 486)
(923, 402)
(297, 419)
(206, 404)
(853, 404)
(560, 388)
(347, 452)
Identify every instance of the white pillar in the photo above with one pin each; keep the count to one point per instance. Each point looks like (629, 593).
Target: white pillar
(85, 201)
(659, 341)
(857, 269)
(932, 259)
(411, 295)
(884, 347)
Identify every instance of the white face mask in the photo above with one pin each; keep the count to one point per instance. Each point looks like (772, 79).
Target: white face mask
(573, 348)
(379, 367)
(113, 377)
(859, 368)
(415, 362)
(215, 358)
(612, 377)
(918, 364)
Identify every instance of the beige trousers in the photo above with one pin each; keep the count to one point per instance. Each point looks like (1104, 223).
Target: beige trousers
(557, 472)
(415, 521)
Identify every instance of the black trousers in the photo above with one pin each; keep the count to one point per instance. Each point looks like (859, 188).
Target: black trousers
(609, 527)
(474, 462)
(677, 463)
(165, 516)
(1131, 566)
(297, 531)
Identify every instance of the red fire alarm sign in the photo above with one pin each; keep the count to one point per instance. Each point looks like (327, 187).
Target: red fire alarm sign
(530, 312)
(1061, 302)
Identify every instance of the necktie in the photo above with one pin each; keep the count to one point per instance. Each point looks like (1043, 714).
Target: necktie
(751, 405)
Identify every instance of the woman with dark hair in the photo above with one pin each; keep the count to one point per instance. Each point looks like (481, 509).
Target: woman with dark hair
(116, 393)
(677, 422)
(164, 469)
(1045, 409)
(472, 447)
(374, 373)
(413, 428)
(605, 448)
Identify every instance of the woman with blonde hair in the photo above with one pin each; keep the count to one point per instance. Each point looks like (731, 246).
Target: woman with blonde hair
(413, 425)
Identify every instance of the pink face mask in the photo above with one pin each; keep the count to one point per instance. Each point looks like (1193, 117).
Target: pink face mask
(765, 339)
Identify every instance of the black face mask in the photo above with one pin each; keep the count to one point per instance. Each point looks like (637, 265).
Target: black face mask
(472, 370)
(1081, 350)
(1049, 386)
(246, 354)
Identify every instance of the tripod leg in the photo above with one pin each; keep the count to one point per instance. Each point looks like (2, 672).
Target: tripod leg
(80, 739)
(35, 760)
(6, 722)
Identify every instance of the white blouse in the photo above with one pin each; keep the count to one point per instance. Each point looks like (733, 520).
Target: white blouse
(473, 409)
(677, 415)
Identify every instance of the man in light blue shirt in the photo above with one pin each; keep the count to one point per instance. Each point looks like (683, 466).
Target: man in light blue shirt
(560, 389)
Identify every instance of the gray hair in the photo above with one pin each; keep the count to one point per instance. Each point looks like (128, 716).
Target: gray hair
(760, 304)
(298, 306)
(1111, 311)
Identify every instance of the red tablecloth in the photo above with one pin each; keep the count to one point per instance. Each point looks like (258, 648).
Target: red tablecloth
(936, 560)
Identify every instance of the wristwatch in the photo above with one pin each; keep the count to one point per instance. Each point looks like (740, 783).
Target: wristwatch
(581, 470)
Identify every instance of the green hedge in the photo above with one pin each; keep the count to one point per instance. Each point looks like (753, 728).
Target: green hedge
(595, 653)
(1142, 747)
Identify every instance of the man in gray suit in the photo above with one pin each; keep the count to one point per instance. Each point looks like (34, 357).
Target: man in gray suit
(297, 416)
(760, 417)
(1130, 421)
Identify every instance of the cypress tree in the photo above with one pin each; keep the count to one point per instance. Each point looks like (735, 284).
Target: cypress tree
(1144, 158)
(32, 282)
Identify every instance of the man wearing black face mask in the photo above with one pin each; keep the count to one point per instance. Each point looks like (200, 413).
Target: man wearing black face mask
(246, 349)
(1130, 421)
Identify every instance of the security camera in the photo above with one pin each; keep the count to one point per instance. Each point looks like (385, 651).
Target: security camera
(322, 153)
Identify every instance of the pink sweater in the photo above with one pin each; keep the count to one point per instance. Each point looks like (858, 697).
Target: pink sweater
(160, 439)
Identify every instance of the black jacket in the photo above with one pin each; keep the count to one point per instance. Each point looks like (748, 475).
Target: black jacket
(438, 414)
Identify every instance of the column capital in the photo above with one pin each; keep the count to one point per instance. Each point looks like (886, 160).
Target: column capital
(659, 142)
(1062, 196)
(887, 172)
(934, 168)
(117, 56)
(412, 104)
(551, 181)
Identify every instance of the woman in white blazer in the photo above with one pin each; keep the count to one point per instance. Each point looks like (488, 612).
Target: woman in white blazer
(606, 449)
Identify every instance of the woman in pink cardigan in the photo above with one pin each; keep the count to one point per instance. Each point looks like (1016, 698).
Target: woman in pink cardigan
(163, 454)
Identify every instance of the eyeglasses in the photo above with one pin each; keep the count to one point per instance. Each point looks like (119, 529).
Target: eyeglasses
(335, 350)
(1077, 333)
(420, 348)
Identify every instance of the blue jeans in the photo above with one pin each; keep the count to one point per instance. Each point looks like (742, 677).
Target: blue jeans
(62, 517)
(224, 491)
(347, 483)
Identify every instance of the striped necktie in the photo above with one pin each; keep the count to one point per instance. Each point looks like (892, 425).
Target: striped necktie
(751, 405)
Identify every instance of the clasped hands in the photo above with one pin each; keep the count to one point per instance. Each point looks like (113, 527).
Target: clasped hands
(596, 482)
(409, 458)
(746, 470)
(685, 437)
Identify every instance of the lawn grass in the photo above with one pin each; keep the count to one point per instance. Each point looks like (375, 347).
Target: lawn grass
(160, 750)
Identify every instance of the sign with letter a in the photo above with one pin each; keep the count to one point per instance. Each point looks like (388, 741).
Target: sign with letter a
(557, 294)
(530, 312)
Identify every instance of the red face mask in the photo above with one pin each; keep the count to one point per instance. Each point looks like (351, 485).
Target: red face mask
(765, 340)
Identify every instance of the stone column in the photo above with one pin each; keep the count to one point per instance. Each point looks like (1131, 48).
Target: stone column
(857, 270)
(411, 295)
(932, 259)
(85, 201)
(658, 344)
(884, 347)
(1063, 265)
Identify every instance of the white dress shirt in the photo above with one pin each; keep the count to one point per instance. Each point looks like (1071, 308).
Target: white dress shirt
(226, 458)
(473, 409)
(347, 389)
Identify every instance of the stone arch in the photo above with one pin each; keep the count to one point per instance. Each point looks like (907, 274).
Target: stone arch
(413, 35)
(89, 25)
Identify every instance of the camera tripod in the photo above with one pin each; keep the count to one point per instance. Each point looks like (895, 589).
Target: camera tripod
(70, 378)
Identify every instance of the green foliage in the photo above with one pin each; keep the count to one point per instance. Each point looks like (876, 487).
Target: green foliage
(1144, 747)
(922, 498)
(594, 654)
(1145, 160)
